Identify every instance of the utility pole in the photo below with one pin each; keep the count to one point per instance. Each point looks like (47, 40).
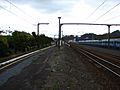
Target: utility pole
(59, 38)
(38, 29)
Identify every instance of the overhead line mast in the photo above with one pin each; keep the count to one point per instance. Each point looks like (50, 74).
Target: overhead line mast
(61, 24)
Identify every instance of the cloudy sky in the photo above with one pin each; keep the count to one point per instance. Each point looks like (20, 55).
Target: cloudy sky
(23, 15)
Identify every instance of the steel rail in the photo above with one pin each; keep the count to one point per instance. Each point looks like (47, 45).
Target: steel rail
(103, 59)
(88, 54)
(102, 65)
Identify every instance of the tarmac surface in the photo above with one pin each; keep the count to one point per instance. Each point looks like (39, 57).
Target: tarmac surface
(56, 69)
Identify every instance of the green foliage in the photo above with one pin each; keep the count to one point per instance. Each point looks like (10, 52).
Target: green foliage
(22, 42)
(68, 37)
(34, 34)
(43, 41)
(3, 45)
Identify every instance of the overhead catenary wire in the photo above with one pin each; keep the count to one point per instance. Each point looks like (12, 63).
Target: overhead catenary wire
(96, 9)
(113, 18)
(9, 11)
(107, 12)
(20, 9)
(15, 14)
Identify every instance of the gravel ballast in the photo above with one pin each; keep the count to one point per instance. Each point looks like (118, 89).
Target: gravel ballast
(60, 69)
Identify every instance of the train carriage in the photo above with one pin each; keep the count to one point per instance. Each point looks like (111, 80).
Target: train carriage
(114, 43)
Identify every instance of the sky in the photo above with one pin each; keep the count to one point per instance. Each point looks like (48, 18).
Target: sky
(23, 15)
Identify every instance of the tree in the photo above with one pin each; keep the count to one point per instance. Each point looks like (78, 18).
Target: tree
(34, 34)
(22, 40)
(3, 46)
(69, 37)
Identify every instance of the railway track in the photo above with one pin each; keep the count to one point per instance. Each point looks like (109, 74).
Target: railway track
(109, 65)
(6, 64)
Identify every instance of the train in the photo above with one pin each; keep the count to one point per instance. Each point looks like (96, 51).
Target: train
(113, 43)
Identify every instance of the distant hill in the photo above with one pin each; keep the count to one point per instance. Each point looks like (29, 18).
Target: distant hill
(92, 36)
(68, 37)
(88, 36)
(115, 34)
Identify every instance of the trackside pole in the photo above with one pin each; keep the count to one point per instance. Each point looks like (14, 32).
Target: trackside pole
(108, 35)
(59, 38)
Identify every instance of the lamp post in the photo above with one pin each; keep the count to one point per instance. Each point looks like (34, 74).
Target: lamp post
(59, 38)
